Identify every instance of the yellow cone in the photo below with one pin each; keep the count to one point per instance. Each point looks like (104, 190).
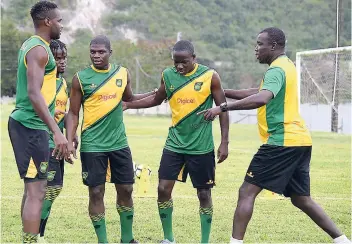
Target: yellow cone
(271, 195)
(143, 183)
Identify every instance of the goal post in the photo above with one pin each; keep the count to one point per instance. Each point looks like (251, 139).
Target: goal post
(324, 88)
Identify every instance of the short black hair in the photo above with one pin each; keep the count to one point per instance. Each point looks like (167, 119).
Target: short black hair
(275, 35)
(41, 10)
(184, 45)
(55, 45)
(101, 39)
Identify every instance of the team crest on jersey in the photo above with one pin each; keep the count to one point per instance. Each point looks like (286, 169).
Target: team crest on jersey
(43, 167)
(84, 175)
(51, 175)
(119, 82)
(198, 86)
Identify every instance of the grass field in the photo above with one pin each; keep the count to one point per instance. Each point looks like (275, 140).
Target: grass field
(273, 220)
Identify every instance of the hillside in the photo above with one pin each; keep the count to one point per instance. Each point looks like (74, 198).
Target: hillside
(223, 32)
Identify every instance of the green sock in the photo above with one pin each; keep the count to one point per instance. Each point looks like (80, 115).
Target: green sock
(126, 222)
(165, 213)
(100, 227)
(45, 215)
(29, 237)
(205, 221)
(46, 208)
(51, 194)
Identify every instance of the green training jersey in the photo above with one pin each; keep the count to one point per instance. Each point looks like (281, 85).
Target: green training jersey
(24, 111)
(188, 94)
(103, 129)
(279, 121)
(60, 104)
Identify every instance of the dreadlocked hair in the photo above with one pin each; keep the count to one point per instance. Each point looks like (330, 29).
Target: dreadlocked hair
(55, 45)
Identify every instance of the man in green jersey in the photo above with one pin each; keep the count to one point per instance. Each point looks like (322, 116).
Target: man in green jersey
(282, 163)
(30, 122)
(56, 166)
(189, 87)
(105, 154)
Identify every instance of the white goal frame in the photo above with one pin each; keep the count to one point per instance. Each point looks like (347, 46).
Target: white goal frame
(313, 52)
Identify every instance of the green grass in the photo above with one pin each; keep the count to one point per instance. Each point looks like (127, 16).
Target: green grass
(273, 220)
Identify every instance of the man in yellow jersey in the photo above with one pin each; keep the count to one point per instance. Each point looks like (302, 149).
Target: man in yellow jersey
(56, 166)
(105, 154)
(189, 87)
(32, 118)
(282, 163)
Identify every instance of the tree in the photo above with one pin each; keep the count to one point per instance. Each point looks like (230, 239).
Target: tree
(11, 41)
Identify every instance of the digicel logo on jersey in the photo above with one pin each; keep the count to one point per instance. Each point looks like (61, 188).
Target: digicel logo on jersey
(185, 100)
(107, 97)
(60, 103)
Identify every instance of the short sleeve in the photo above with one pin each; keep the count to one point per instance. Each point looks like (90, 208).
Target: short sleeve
(274, 79)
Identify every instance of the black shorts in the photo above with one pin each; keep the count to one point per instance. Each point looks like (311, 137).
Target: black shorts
(114, 167)
(55, 171)
(31, 148)
(284, 170)
(176, 166)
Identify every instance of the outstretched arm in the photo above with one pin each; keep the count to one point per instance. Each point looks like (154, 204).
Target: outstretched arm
(128, 95)
(149, 101)
(252, 102)
(240, 94)
(72, 116)
(273, 83)
(219, 97)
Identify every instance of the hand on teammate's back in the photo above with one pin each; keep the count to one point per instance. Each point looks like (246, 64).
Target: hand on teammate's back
(61, 142)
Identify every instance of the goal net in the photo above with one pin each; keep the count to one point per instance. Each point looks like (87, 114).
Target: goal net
(324, 79)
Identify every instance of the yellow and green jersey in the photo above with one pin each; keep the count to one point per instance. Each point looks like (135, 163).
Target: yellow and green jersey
(279, 120)
(24, 111)
(60, 104)
(103, 129)
(189, 133)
